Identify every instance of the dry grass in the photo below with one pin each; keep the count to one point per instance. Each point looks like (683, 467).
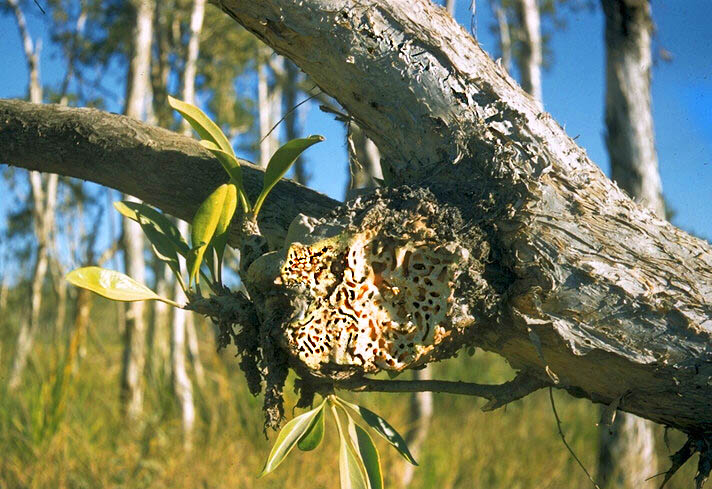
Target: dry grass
(86, 444)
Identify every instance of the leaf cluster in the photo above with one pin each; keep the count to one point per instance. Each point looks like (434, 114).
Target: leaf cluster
(359, 461)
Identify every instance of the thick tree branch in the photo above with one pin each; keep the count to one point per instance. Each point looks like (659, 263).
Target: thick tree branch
(162, 168)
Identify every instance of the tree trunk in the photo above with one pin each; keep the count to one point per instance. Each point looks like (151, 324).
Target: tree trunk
(626, 455)
(421, 412)
(269, 105)
(159, 334)
(4, 288)
(629, 120)
(43, 192)
(505, 40)
(182, 385)
(450, 7)
(531, 58)
(194, 350)
(364, 162)
(138, 91)
(291, 118)
(580, 284)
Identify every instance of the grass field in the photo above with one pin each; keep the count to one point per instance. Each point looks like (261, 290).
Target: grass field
(66, 431)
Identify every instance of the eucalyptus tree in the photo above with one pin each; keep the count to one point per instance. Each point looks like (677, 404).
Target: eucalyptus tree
(43, 196)
(542, 259)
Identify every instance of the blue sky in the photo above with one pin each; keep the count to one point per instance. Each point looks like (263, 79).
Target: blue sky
(573, 92)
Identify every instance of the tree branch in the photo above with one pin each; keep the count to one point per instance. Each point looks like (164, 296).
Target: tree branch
(498, 395)
(162, 168)
(591, 287)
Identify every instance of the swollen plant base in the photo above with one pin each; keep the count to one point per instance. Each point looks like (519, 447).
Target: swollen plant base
(372, 287)
(378, 303)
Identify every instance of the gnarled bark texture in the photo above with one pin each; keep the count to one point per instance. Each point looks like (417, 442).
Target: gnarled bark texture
(586, 285)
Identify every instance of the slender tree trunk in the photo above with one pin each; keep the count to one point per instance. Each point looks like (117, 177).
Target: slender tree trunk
(269, 101)
(159, 334)
(194, 350)
(505, 40)
(138, 91)
(43, 192)
(4, 288)
(627, 450)
(182, 385)
(364, 161)
(450, 6)
(530, 60)
(160, 69)
(291, 118)
(421, 412)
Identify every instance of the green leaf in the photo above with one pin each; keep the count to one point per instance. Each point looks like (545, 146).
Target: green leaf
(203, 229)
(221, 231)
(383, 428)
(369, 454)
(280, 162)
(202, 124)
(147, 215)
(232, 166)
(163, 248)
(113, 285)
(288, 437)
(314, 434)
(352, 472)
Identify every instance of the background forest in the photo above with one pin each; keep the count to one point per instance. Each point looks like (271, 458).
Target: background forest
(98, 394)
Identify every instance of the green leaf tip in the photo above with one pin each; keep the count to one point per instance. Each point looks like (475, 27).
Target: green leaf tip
(383, 428)
(113, 285)
(314, 434)
(279, 164)
(205, 225)
(288, 438)
(202, 124)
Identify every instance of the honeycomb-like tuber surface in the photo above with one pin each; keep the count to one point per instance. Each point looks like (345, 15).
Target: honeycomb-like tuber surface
(379, 302)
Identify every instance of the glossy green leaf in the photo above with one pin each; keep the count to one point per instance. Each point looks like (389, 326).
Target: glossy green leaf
(369, 454)
(288, 438)
(383, 428)
(164, 248)
(113, 285)
(232, 167)
(352, 472)
(280, 162)
(202, 124)
(203, 229)
(314, 434)
(147, 215)
(219, 241)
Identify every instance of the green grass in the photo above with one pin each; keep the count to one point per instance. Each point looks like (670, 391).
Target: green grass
(77, 438)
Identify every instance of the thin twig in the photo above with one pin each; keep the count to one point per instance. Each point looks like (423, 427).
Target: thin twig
(498, 395)
(40, 7)
(289, 112)
(563, 439)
